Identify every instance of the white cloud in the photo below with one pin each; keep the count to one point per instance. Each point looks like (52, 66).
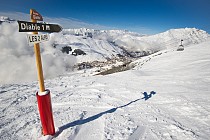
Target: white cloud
(17, 60)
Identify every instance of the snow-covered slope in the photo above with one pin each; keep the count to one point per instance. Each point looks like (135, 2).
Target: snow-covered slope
(166, 96)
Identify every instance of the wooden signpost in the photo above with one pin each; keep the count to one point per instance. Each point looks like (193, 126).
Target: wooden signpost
(43, 96)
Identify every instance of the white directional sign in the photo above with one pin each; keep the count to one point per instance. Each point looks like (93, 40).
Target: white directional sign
(37, 38)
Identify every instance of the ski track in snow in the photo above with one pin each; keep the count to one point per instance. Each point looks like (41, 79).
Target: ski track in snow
(140, 104)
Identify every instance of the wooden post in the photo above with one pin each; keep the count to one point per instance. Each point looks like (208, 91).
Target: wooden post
(43, 97)
(38, 61)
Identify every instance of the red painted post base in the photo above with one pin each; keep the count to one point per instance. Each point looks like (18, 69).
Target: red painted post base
(45, 111)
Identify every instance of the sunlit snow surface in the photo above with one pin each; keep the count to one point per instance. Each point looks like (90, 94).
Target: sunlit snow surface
(166, 96)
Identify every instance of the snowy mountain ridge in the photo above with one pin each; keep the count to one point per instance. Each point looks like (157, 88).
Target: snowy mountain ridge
(95, 33)
(6, 19)
(71, 47)
(132, 44)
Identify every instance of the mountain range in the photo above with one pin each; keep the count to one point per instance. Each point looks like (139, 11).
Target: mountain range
(70, 48)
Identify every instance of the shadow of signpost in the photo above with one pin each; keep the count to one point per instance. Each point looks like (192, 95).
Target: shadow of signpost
(147, 96)
(94, 117)
(83, 121)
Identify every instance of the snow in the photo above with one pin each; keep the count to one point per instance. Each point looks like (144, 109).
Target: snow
(17, 56)
(112, 42)
(169, 39)
(166, 96)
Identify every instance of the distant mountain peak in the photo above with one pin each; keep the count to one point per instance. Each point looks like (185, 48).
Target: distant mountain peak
(5, 19)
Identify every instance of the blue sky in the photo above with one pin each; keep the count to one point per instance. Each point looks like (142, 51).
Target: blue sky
(143, 16)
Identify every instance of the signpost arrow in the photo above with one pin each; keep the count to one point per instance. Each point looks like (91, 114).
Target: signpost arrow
(37, 38)
(35, 15)
(25, 26)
